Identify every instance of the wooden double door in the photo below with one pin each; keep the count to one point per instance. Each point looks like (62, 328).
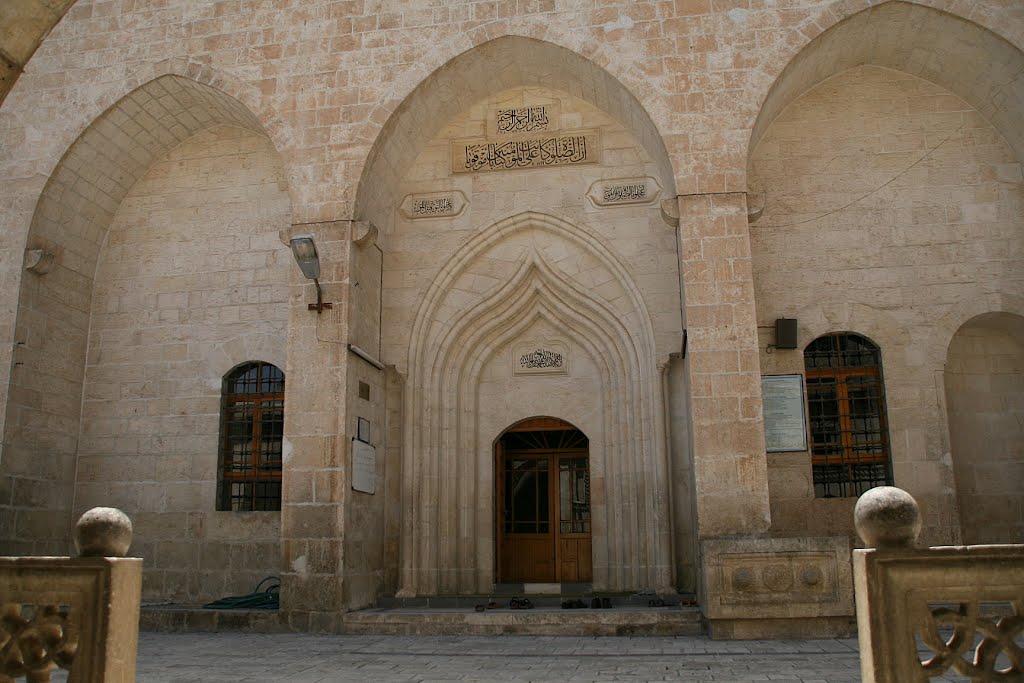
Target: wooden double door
(544, 524)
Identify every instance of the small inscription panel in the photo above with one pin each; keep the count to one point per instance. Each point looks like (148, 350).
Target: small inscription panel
(785, 421)
(624, 191)
(364, 467)
(523, 119)
(577, 147)
(433, 205)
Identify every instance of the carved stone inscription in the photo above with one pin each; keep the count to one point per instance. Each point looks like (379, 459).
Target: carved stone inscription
(522, 119)
(579, 147)
(433, 205)
(540, 357)
(624, 191)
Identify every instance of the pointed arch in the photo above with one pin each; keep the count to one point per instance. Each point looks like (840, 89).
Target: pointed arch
(445, 523)
(974, 62)
(485, 69)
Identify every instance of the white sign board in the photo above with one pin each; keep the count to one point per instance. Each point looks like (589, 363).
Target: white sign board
(364, 467)
(785, 420)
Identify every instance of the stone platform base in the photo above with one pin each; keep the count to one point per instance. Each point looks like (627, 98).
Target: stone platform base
(196, 619)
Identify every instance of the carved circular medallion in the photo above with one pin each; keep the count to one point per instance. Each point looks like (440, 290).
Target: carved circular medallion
(743, 579)
(811, 575)
(777, 577)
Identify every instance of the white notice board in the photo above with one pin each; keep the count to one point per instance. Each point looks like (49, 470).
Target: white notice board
(785, 417)
(364, 467)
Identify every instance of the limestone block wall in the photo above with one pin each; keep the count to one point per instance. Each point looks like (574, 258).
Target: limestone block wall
(191, 282)
(892, 209)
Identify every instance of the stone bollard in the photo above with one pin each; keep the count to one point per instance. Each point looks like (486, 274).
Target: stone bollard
(943, 595)
(79, 614)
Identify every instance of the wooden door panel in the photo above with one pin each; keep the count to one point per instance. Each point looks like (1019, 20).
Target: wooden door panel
(528, 559)
(575, 562)
(543, 511)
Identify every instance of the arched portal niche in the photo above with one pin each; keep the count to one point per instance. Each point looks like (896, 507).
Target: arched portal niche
(984, 382)
(482, 261)
(533, 315)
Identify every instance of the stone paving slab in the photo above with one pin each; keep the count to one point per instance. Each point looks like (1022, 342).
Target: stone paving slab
(301, 658)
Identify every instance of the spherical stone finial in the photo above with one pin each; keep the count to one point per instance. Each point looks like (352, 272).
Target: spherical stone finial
(887, 517)
(103, 532)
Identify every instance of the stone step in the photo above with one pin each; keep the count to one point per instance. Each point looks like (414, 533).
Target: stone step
(541, 620)
(546, 618)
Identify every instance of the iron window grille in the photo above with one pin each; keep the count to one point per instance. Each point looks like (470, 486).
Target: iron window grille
(846, 407)
(252, 435)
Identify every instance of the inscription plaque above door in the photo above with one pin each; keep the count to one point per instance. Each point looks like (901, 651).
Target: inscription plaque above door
(540, 357)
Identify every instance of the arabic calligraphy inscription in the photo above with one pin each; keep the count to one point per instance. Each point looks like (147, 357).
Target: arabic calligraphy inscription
(578, 147)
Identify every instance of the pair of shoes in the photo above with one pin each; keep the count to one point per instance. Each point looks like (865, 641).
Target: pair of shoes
(600, 603)
(573, 604)
(492, 605)
(520, 603)
(688, 602)
(657, 602)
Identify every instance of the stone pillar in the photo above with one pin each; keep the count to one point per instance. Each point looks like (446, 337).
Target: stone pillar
(730, 471)
(315, 484)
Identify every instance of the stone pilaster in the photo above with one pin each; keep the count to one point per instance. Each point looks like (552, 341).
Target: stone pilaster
(727, 429)
(315, 484)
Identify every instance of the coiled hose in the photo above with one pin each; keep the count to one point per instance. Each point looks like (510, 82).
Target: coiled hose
(261, 598)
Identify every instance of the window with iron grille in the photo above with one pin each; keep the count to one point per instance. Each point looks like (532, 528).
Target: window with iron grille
(251, 436)
(846, 406)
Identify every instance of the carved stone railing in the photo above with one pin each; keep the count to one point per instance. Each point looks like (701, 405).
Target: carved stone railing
(78, 614)
(929, 612)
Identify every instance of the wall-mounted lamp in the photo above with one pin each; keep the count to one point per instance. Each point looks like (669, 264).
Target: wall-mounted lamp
(305, 254)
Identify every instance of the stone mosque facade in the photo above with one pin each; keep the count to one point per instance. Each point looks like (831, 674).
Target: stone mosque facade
(634, 296)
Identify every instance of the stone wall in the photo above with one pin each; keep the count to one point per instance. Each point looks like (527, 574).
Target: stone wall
(892, 208)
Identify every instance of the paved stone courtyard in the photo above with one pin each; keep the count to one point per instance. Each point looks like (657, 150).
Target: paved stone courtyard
(300, 658)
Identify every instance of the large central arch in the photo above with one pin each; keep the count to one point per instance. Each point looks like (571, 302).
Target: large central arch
(497, 65)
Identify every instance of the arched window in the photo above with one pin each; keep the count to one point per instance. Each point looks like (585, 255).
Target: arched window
(846, 403)
(252, 432)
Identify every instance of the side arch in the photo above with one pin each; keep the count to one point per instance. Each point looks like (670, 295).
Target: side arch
(57, 304)
(972, 61)
(984, 389)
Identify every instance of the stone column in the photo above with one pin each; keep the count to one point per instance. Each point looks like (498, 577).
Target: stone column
(315, 452)
(730, 471)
